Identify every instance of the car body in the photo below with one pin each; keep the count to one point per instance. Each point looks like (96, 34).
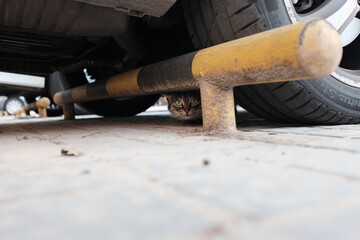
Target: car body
(21, 84)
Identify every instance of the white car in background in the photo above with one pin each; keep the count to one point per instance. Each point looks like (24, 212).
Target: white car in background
(20, 89)
(16, 88)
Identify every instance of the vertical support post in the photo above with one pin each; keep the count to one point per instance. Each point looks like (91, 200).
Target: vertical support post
(42, 112)
(217, 107)
(69, 111)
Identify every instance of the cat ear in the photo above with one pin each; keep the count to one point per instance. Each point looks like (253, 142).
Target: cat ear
(165, 96)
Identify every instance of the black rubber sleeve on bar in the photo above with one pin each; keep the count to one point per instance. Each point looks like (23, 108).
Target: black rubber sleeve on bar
(173, 75)
(66, 96)
(97, 89)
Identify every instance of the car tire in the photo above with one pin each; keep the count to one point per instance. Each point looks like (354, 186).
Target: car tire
(326, 100)
(12, 105)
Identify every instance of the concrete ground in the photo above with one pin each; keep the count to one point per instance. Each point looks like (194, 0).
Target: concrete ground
(151, 177)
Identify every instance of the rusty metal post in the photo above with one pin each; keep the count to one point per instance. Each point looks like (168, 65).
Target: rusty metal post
(310, 49)
(39, 105)
(218, 107)
(69, 111)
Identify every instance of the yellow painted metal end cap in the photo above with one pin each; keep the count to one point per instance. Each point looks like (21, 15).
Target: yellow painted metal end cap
(58, 98)
(43, 102)
(320, 49)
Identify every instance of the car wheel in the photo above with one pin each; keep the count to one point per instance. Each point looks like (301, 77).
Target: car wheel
(12, 105)
(330, 100)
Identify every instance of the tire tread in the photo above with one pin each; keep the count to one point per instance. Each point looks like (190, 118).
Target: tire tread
(284, 102)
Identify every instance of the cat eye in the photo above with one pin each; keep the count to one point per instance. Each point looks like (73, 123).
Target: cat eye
(194, 102)
(178, 103)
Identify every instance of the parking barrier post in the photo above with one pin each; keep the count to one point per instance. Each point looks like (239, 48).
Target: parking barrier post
(311, 49)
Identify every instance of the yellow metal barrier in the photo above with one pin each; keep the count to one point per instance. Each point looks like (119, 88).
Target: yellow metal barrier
(305, 50)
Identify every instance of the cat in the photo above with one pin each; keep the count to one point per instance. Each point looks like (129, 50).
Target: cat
(185, 106)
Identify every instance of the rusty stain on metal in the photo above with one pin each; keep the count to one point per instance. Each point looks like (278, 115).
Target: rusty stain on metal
(306, 50)
(217, 107)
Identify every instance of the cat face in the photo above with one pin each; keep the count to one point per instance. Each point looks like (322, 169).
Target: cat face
(185, 106)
